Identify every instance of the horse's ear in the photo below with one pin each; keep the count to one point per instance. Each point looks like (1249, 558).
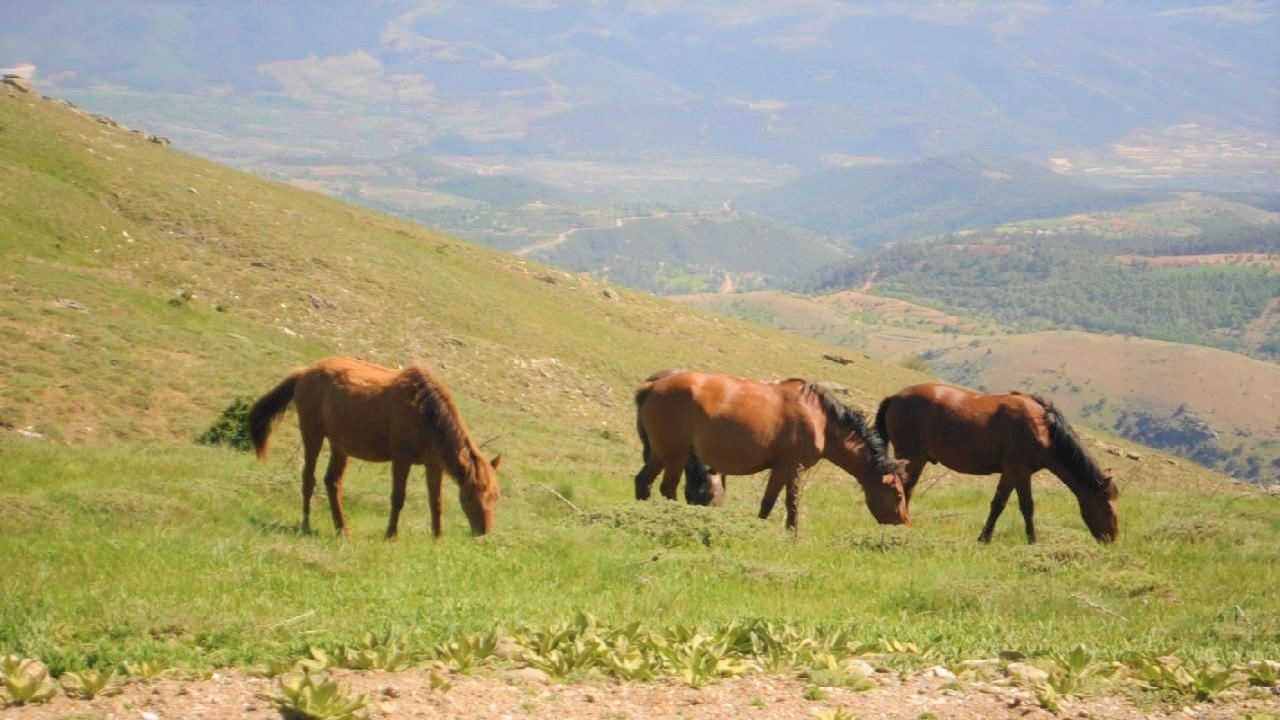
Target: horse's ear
(495, 461)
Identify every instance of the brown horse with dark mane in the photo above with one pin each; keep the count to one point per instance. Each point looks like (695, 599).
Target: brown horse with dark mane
(981, 434)
(741, 427)
(377, 414)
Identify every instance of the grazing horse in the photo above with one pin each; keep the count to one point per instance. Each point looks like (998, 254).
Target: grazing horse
(377, 414)
(1014, 435)
(741, 427)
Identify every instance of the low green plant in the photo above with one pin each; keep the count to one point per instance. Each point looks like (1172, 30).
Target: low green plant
(146, 669)
(232, 427)
(1203, 681)
(837, 677)
(91, 683)
(438, 682)
(814, 693)
(1074, 672)
(26, 681)
(373, 654)
(301, 697)
(1263, 673)
(837, 714)
(463, 653)
(318, 662)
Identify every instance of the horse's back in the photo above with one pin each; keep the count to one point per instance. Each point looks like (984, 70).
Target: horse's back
(358, 405)
(968, 431)
(732, 423)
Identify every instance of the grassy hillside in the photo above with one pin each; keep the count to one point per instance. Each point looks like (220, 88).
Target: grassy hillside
(143, 290)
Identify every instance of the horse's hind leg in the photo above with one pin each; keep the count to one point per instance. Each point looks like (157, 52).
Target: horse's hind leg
(997, 506)
(645, 478)
(333, 486)
(399, 479)
(312, 441)
(671, 480)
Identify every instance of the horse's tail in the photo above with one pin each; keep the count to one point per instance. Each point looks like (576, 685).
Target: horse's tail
(265, 412)
(882, 421)
(1067, 450)
(641, 395)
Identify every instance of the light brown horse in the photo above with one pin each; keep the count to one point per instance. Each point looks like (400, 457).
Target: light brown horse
(1014, 435)
(374, 413)
(741, 427)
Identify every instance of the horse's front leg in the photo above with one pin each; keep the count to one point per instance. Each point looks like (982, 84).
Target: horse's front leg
(399, 481)
(1028, 508)
(779, 478)
(795, 486)
(435, 477)
(997, 506)
(915, 466)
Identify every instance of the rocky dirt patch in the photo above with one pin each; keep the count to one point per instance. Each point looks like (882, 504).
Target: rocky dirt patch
(527, 693)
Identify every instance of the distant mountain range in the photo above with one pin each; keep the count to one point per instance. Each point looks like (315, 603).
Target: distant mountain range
(801, 83)
(871, 204)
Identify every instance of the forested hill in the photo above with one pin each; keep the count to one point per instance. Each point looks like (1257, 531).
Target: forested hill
(1196, 269)
(867, 205)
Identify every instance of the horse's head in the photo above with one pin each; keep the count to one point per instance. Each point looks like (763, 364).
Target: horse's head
(1098, 509)
(886, 497)
(481, 493)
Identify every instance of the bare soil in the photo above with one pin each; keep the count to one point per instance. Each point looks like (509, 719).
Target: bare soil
(527, 693)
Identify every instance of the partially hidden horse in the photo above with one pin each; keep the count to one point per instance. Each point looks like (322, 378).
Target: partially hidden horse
(981, 434)
(741, 427)
(378, 414)
(702, 485)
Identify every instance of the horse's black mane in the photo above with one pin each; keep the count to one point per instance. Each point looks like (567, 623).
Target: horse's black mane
(1085, 475)
(438, 411)
(855, 422)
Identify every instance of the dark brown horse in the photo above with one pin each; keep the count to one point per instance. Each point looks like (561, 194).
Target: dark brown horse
(374, 413)
(1014, 435)
(741, 427)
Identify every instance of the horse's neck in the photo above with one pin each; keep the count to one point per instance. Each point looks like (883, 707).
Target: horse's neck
(843, 452)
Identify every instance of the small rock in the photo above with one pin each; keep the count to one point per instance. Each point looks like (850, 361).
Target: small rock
(1133, 455)
(941, 672)
(860, 666)
(1026, 673)
(610, 293)
(506, 648)
(148, 715)
(530, 675)
(28, 432)
(66, 304)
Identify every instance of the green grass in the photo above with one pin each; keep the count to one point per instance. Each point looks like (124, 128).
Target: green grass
(190, 557)
(125, 545)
